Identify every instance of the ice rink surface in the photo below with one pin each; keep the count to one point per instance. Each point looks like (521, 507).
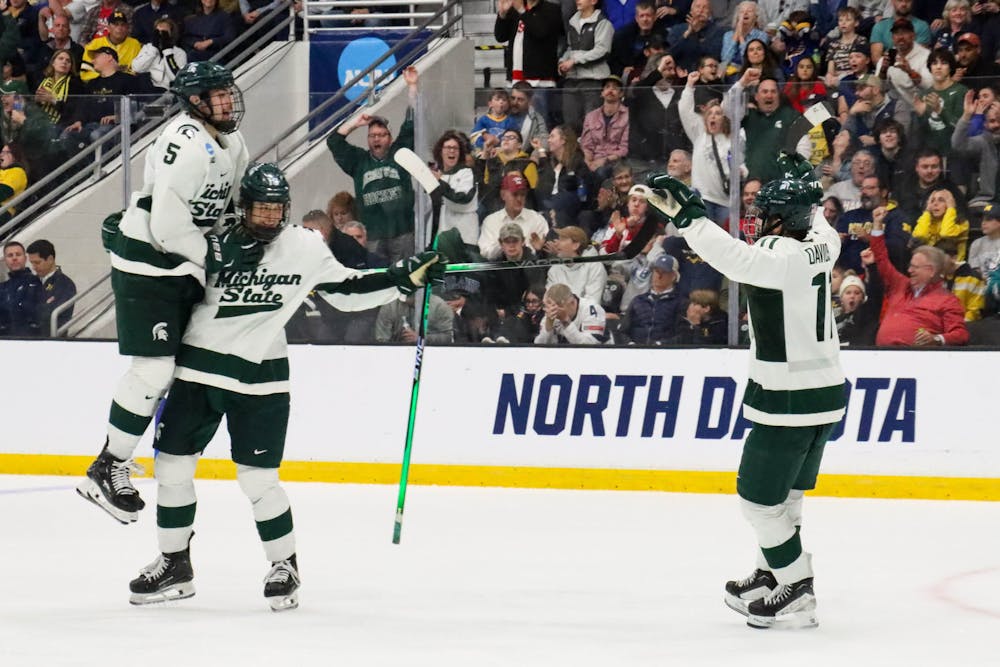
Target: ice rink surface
(495, 577)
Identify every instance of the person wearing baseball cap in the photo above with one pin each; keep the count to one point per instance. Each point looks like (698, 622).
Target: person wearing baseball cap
(586, 280)
(883, 34)
(974, 71)
(984, 250)
(514, 193)
(115, 36)
(651, 318)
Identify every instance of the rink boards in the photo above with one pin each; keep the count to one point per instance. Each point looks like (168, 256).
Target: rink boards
(920, 424)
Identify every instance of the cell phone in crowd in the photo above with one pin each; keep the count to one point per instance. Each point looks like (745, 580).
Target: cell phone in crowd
(18, 103)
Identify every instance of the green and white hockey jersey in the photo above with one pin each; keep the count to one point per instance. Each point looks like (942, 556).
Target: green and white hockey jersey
(236, 337)
(795, 374)
(190, 179)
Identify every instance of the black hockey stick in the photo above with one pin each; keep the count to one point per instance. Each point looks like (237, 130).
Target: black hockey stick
(412, 163)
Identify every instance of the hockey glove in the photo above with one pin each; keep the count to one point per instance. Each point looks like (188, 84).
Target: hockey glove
(232, 251)
(412, 273)
(675, 201)
(109, 229)
(794, 167)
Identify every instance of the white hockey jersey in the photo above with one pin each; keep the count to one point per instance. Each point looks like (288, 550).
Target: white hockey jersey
(795, 374)
(587, 328)
(189, 181)
(236, 337)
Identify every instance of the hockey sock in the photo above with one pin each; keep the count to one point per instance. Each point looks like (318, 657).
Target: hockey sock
(271, 510)
(779, 541)
(135, 400)
(175, 501)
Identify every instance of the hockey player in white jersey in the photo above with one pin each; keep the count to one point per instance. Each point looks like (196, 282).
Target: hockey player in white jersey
(795, 392)
(173, 231)
(233, 363)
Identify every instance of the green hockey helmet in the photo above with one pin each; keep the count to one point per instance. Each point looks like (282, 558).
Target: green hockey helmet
(265, 184)
(200, 79)
(786, 203)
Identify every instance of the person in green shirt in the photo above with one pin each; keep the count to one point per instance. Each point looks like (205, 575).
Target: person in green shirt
(940, 106)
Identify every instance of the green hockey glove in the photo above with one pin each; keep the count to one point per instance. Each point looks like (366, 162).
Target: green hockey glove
(232, 251)
(794, 167)
(109, 229)
(412, 273)
(675, 200)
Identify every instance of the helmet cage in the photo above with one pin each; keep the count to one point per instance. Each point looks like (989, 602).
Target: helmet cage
(223, 125)
(258, 232)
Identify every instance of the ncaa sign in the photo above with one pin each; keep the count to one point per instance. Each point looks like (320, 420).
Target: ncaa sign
(356, 57)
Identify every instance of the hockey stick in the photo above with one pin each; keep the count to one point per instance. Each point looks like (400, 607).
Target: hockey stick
(412, 163)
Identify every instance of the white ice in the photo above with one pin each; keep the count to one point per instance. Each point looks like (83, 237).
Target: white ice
(495, 577)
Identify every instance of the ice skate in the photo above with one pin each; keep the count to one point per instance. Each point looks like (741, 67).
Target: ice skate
(167, 578)
(109, 486)
(739, 594)
(281, 585)
(787, 606)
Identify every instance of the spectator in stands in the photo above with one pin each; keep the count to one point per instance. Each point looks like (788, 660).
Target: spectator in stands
(655, 128)
(709, 85)
(513, 192)
(357, 231)
(679, 165)
(631, 40)
(525, 118)
(623, 180)
(620, 13)
(13, 178)
(954, 21)
(585, 280)
(117, 39)
(394, 323)
(775, 12)
(893, 156)
(99, 113)
(162, 58)
(60, 90)
(804, 88)
(15, 79)
(929, 172)
(30, 46)
(767, 126)
(838, 51)
(871, 107)
(490, 126)
(982, 148)
(703, 322)
(855, 225)
(584, 63)
(622, 228)
(458, 208)
(530, 31)
(884, 33)
(652, 317)
(605, 135)
(98, 19)
(940, 107)
(746, 27)
(562, 177)
(207, 31)
(638, 271)
(908, 72)
(748, 192)
(147, 15)
(341, 209)
(848, 191)
(383, 188)
(521, 323)
(857, 317)
(57, 37)
(859, 61)
(505, 289)
(920, 310)
(698, 274)
(701, 35)
(24, 124)
(468, 316)
(796, 40)
(495, 162)
(941, 220)
(597, 220)
(570, 318)
(57, 287)
(21, 295)
(758, 56)
(963, 281)
(319, 221)
(984, 253)
(974, 70)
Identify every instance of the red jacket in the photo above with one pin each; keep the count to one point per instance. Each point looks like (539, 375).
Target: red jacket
(936, 309)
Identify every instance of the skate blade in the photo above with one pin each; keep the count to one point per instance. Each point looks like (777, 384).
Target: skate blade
(89, 490)
(284, 602)
(739, 605)
(792, 621)
(168, 594)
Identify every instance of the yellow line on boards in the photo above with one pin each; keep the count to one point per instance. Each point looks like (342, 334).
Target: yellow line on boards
(679, 481)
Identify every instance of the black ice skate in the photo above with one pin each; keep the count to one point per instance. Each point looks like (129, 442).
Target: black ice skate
(167, 578)
(788, 605)
(739, 594)
(109, 486)
(281, 585)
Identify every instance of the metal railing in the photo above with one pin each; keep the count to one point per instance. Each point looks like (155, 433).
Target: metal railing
(331, 16)
(91, 312)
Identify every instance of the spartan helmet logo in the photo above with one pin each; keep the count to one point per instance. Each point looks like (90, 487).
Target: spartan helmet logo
(160, 331)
